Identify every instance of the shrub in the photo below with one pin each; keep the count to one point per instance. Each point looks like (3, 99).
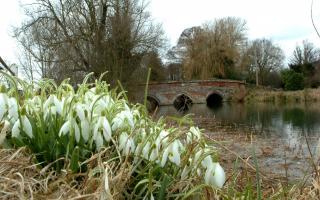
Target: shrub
(64, 128)
(292, 80)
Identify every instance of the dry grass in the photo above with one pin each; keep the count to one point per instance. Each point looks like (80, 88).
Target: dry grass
(20, 178)
(264, 95)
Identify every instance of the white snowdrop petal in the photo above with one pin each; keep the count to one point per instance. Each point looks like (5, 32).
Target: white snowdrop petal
(27, 126)
(175, 158)
(76, 132)
(85, 129)
(146, 150)
(117, 122)
(123, 140)
(207, 161)
(164, 157)
(80, 112)
(16, 129)
(154, 154)
(58, 105)
(3, 105)
(130, 147)
(64, 128)
(13, 108)
(138, 150)
(106, 129)
(99, 141)
(219, 177)
(48, 102)
(208, 175)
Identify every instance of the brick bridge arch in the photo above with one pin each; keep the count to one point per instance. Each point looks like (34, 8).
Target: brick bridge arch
(165, 93)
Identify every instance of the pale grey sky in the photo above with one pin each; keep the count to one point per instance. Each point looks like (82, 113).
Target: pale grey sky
(287, 22)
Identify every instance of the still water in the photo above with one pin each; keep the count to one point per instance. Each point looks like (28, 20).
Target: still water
(284, 121)
(286, 136)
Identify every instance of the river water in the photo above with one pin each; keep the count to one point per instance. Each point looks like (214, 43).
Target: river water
(284, 121)
(292, 131)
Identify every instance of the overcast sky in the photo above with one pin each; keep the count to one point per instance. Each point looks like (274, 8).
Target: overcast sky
(286, 22)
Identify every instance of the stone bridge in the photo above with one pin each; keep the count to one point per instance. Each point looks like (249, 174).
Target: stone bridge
(182, 94)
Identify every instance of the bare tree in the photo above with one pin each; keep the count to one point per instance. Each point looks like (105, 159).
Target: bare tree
(69, 38)
(305, 60)
(306, 53)
(265, 57)
(215, 50)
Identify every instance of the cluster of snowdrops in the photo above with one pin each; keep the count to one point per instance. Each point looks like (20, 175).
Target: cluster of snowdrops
(57, 122)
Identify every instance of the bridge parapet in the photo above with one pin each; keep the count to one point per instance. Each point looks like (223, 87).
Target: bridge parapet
(166, 93)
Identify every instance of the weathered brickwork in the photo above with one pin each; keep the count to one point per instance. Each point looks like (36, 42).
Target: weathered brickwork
(166, 92)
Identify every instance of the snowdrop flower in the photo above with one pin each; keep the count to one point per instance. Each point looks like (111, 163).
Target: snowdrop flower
(85, 129)
(146, 150)
(26, 126)
(100, 103)
(3, 104)
(121, 118)
(162, 138)
(64, 128)
(99, 141)
(173, 152)
(58, 104)
(138, 150)
(126, 144)
(154, 153)
(34, 105)
(215, 175)
(69, 126)
(16, 129)
(53, 101)
(80, 110)
(193, 134)
(104, 126)
(76, 132)
(13, 109)
(108, 101)
(206, 162)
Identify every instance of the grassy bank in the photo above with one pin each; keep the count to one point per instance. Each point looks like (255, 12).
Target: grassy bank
(23, 179)
(279, 96)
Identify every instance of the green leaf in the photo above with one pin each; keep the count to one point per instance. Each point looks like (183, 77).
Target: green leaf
(164, 185)
(74, 164)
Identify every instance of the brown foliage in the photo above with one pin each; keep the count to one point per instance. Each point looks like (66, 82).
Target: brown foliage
(72, 38)
(215, 50)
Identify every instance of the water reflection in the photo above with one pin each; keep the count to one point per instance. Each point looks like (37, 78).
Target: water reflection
(267, 119)
(279, 128)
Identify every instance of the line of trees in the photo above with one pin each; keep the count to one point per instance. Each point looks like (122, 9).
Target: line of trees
(221, 49)
(70, 38)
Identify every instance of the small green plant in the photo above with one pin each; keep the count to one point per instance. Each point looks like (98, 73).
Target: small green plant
(64, 127)
(292, 80)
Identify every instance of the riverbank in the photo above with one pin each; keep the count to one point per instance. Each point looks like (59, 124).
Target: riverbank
(279, 96)
(248, 175)
(284, 169)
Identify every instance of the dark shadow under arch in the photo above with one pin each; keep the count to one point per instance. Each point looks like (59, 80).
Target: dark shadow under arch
(214, 100)
(152, 103)
(182, 102)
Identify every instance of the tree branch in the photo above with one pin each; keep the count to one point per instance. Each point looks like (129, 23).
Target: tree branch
(6, 66)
